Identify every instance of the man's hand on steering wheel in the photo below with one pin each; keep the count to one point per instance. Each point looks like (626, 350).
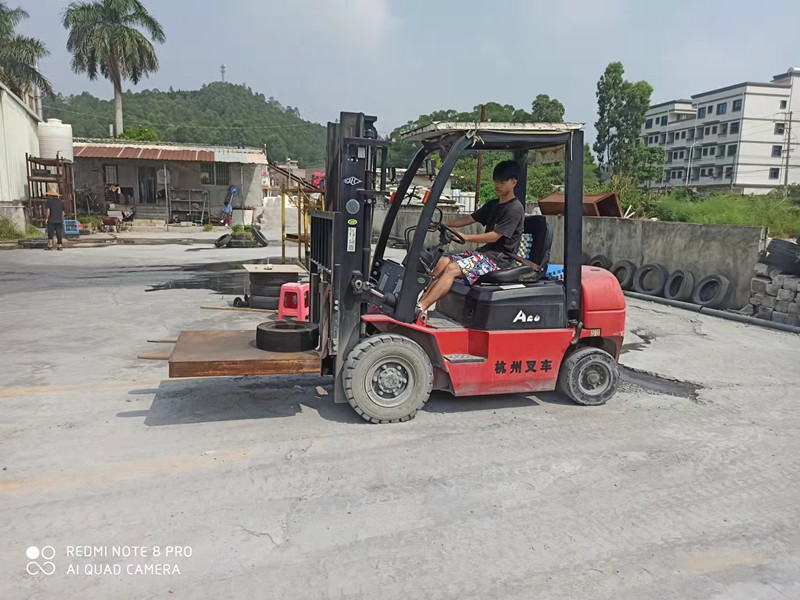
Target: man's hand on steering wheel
(451, 235)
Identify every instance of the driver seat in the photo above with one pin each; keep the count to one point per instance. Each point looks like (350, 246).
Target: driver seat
(537, 237)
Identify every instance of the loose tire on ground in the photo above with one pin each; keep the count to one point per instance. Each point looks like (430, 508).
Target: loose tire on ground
(711, 291)
(600, 260)
(223, 240)
(679, 286)
(588, 376)
(387, 378)
(650, 279)
(264, 302)
(624, 270)
(287, 336)
(259, 236)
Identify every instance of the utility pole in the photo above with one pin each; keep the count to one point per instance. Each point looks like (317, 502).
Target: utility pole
(480, 166)
(788, 153)
(222, 70)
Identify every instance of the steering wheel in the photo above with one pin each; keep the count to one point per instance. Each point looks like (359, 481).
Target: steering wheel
(451, 235)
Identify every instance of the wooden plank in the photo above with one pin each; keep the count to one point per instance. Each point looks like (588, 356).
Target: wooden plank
(261, 310)
(275, 268)
(154, 356)
(230, 353)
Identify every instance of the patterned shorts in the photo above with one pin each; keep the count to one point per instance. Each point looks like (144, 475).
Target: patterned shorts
(473, 264)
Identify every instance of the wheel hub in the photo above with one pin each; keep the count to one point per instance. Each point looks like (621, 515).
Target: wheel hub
(390, 379)
(594, 379)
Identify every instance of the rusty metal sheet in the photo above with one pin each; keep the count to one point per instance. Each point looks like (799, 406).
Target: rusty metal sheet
(229, 353)
(205, 156)
(129, 152)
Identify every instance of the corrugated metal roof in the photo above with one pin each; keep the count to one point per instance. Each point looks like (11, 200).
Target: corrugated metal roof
(167, 152)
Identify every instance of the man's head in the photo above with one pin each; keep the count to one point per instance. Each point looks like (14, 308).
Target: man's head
(505, 177)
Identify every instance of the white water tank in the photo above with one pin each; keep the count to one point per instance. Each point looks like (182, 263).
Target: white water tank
(55, 140)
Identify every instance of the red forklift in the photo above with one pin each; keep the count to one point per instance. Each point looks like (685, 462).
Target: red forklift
(513, 331)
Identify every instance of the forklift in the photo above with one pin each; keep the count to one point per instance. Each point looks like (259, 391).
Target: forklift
(512, 331)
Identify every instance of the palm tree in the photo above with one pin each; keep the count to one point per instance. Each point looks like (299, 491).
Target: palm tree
(103, 36)
(19, 55)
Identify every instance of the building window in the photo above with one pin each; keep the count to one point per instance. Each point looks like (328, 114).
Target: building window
(648, 124)
(215, 174)
(683, 135)
(779, 128)
(734, 127)
(776, 151)
(723, 129)
(707, 131)
(110, 174)
(681, 156)
(728, 172)
(722, 108)
(705, 151)
(714, 129)
(701, 112)
(732, 150)
(783, 103)
(720, 151)
(774, 173)
(737, 106)
(711, 110)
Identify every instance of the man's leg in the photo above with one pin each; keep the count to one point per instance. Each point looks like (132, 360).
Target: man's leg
(441, 286)
(50, 233)
(437, 271)
(60, 234)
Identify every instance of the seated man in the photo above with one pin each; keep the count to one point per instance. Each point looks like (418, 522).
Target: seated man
(503, 218)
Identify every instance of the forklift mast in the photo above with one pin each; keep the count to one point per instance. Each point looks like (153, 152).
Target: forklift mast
(341, 237)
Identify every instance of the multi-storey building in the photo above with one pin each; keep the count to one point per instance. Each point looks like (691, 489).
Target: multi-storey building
(743, 136)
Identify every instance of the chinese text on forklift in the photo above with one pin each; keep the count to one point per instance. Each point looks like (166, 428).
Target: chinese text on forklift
(509, 332)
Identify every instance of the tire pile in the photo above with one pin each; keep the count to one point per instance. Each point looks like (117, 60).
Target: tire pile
(775, 289)
(245, 239)
(654, 279)
(265, 289)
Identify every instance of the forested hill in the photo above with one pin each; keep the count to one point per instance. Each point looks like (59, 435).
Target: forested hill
(218, 113)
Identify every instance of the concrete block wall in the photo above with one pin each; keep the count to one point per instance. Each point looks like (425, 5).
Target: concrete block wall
(703, 250)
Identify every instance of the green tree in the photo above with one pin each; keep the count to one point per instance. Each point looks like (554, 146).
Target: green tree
(141, 133)
(648, 162)
(621, 106)
(103, 36)
(19, 55)
(546, 110)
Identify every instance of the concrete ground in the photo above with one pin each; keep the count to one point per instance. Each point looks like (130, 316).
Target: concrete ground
(272, 491)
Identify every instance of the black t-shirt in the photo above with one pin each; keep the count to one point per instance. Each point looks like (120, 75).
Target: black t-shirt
(505, 218)
(56, 206)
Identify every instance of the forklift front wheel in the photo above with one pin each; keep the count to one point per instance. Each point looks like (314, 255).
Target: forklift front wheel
(387, 378)
(589, 376)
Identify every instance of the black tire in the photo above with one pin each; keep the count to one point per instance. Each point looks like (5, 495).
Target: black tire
(600, 260)
(238, 302)
(259, 236)
(269, 289)
(679, 286)
(588, 376)
(657, 275)
(264, 302)
(624, 270)
(711, 291)
(387, 378)
(272, 278)
(287, 336)
(223, 240)
(789, 250)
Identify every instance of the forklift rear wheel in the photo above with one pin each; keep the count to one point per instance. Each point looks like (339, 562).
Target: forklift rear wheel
(387, 378)
(589, 376)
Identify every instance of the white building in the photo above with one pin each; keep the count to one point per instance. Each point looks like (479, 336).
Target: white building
(741, 137)
(18, 136)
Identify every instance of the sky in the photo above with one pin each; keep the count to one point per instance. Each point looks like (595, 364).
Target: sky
(398, 59)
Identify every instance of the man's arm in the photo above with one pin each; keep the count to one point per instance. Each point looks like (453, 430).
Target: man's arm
(482, 238)
(461, 221)
(47, 215)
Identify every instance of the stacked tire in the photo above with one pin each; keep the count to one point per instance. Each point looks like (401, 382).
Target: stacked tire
(243, 239)
(265, 289)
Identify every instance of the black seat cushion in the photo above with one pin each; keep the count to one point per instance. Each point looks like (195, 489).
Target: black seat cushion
(518, 274)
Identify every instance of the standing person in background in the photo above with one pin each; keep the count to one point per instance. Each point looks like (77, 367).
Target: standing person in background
(55, 222)
(227, 212)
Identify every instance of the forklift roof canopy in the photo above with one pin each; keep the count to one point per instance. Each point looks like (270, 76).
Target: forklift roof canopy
(513, 135)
